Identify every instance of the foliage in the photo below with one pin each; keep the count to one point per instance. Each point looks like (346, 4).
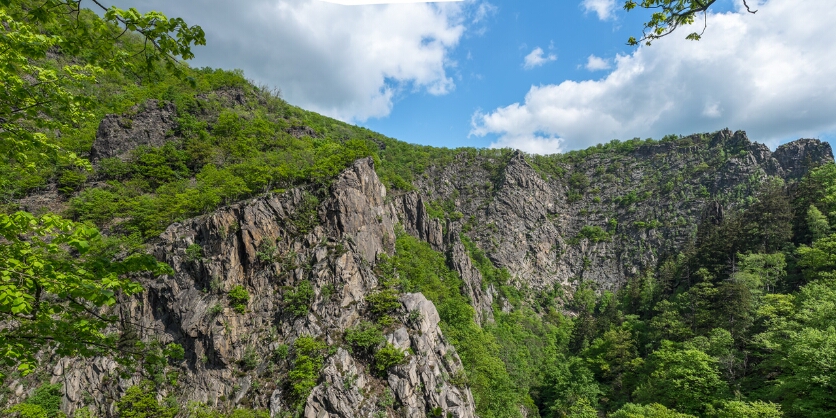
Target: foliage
(45, 402)
(201, 410)
(594, 233)
(26, 410)
(668, 15)
(238, 298)
(306, 365)
(366, 337)
(48, 294)
(684, 379)
(655, 410)
(299, 300)
(388, 356)
(194, 252)
(383, 302)
(54, 275)
(250, 359)
(757, 409)
(420, 269)
(140, 401)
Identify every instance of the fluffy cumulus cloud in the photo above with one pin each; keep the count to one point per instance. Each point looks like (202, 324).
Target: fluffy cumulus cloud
(536, 58)
(348, 62)
(605, 9)
(770, 74)
(594, 63)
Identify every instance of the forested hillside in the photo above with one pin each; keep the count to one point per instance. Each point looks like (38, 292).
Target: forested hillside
(181, 242)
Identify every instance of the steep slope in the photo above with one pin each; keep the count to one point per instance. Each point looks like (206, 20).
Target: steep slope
(253, 278)
(233, 355)
(611, 214)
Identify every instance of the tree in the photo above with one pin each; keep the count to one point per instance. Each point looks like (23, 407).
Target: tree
(817, 223)
(800, 345)
(58, 277)
(140, 401)
(668, 15)
(685, 379)
(654, 410)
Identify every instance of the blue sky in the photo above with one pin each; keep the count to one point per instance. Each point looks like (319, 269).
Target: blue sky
(520, 73)
(489, 67)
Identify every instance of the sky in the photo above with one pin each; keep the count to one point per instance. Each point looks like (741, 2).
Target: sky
(543, 76)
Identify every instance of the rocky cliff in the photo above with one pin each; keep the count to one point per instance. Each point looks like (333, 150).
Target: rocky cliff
(608, 215)
(234, 353)
(253, 278)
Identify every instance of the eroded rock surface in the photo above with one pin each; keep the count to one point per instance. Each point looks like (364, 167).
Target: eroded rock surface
(150, 123)
(231, 355)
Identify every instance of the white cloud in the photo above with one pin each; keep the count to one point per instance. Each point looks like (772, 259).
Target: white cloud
(367, 2)
(770, 74)
(594, 63)
(346, 62)
(605, 9)
(484, 11)
(536, 58)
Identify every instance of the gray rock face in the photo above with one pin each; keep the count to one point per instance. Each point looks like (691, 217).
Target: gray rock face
(797, 157)
(648, 201)
(255, 244)
(424, 382)
(147, 124)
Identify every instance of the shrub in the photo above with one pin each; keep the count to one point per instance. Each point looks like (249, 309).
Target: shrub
(365, 336)
(239, 297)
(194, 252)
(140, 401)
(175, 351)
(266, 252)
(71, 180)
(299, 300)
(216, 309)
(593, 233)
(383, 302)
(26, 410)
(387, 357)
(250, 359)
(306, 216)
(578, 181)
(306, 366)
(282, 351)
(45, 402)
(654, 410)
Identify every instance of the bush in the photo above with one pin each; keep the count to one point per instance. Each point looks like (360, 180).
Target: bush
(250, 359)
(239, 297)
(282, 351)
(45, 402)
(305, 371)
(383, 302)
(26, 410)
(594, 234)
(194, 252)
(266, 252)
(71, 180)
(655, 410)
(365, 337)
(387, 357)
(140, 401)
(299, 300)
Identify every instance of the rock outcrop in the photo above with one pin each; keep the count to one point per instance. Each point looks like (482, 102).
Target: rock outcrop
(231, 350)
(797, 157)
(647, 203)
(150, 124)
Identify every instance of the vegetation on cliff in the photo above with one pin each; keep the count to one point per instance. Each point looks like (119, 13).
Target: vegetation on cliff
(736, 323)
